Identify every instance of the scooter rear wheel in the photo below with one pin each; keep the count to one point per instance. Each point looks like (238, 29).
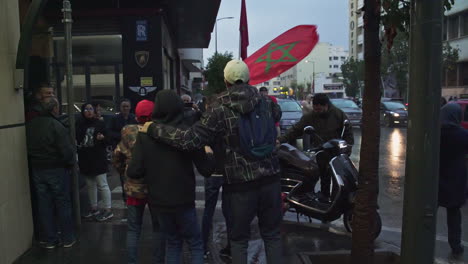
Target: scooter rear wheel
(348, 222)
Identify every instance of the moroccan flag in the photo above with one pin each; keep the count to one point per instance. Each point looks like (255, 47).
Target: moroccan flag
(244, 32)
(282, 53)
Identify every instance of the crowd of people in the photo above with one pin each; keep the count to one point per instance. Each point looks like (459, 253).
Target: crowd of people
(230, 139)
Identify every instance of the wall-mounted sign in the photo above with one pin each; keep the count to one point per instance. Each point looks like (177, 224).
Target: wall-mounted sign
(141, 58)
(142, 90)
(141, 30)
(146, 81)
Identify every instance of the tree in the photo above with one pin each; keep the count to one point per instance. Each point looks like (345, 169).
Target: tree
(395, 17)
(395, 61)
(214, 72)
(353, 75)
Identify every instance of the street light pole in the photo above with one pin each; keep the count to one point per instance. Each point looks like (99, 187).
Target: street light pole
(216, 32)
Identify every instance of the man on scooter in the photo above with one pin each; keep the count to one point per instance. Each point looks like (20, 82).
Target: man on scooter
(328, 122)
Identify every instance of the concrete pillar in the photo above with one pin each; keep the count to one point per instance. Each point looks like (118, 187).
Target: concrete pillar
(15, 206)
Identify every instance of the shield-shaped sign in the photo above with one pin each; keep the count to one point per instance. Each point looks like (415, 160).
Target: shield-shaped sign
(142, 58)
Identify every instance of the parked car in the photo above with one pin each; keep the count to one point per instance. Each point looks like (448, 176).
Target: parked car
(351, 109)
(393, 113)
(464, 106)
(292, 113)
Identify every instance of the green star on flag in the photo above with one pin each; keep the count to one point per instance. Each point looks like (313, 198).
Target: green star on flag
(285, 57)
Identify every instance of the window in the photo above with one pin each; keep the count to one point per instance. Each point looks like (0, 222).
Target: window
(330, 58)
(335, 58)
(452, 77)
(352, 42)
(463, 73)
(464, 24)
(352, 34)
(266, 83)
(343, 58)
(453, 23)
(330, 66)
(352, 5)
(335, 66)
(276, 83)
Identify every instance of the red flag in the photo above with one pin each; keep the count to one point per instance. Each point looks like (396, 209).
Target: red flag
(244, 32)
(282, 53)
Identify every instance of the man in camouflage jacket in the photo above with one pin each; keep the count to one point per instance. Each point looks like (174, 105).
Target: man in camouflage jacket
(252, 186)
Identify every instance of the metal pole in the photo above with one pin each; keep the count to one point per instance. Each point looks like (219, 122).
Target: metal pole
(422, 162)
(216, 36)
(67, 21)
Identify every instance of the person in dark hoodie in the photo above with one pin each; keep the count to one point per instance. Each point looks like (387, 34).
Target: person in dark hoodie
(91, 137)
(452, 171)
(168, 173)
(251, 184)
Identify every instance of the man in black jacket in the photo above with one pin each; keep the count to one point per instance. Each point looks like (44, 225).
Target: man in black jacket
(51, 153)
(252, 185)
(169, 174)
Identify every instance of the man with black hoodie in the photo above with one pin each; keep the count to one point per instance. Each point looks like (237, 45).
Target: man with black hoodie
(168, 172)
(252, 185)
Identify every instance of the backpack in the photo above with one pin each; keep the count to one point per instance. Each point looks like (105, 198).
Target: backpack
(257, 131)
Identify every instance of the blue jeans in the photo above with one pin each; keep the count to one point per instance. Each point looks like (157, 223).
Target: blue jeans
(212, 186)
(52, 188)
(135, 221)
(182, 226)
(265, 203)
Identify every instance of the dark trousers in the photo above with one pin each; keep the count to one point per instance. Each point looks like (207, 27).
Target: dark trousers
(52, 188)
(265, 203)
(212, 186)
(180, 226)
(454, 227)
(325, 177)
(135, 222)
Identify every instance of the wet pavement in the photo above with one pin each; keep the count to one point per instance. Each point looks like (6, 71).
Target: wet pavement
(105, 242)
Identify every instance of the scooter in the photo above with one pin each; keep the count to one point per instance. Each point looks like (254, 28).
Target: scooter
(300, 174)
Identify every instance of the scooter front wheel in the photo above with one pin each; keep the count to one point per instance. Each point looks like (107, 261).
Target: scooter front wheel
(348, 222)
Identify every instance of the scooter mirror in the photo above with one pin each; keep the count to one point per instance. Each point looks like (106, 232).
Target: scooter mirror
(346, 122)
(310, 130)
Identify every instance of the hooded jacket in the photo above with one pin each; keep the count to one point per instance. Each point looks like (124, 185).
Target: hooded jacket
(92, 154)
(453, 148)
(241, 173)
(327, 126)
(167, 171)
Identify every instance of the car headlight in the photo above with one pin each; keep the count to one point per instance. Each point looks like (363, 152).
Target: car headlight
(395, 114)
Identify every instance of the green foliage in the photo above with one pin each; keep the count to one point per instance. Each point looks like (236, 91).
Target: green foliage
(214, 73)
(396, 60)
(449, 58)
(353, 76)
(396, 17)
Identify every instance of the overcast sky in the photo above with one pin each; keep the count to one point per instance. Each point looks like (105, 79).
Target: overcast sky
(269, 18)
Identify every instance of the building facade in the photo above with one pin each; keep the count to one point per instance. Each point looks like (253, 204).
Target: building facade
(356, 29)
(455, 32)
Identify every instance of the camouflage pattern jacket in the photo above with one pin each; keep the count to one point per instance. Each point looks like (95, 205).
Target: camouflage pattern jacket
(221, 120)
(121, 158)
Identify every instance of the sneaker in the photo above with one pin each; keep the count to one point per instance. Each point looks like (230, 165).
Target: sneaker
(91, 214)
(49, 245)
(69, 244)
(225, 252)
(104, 215)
